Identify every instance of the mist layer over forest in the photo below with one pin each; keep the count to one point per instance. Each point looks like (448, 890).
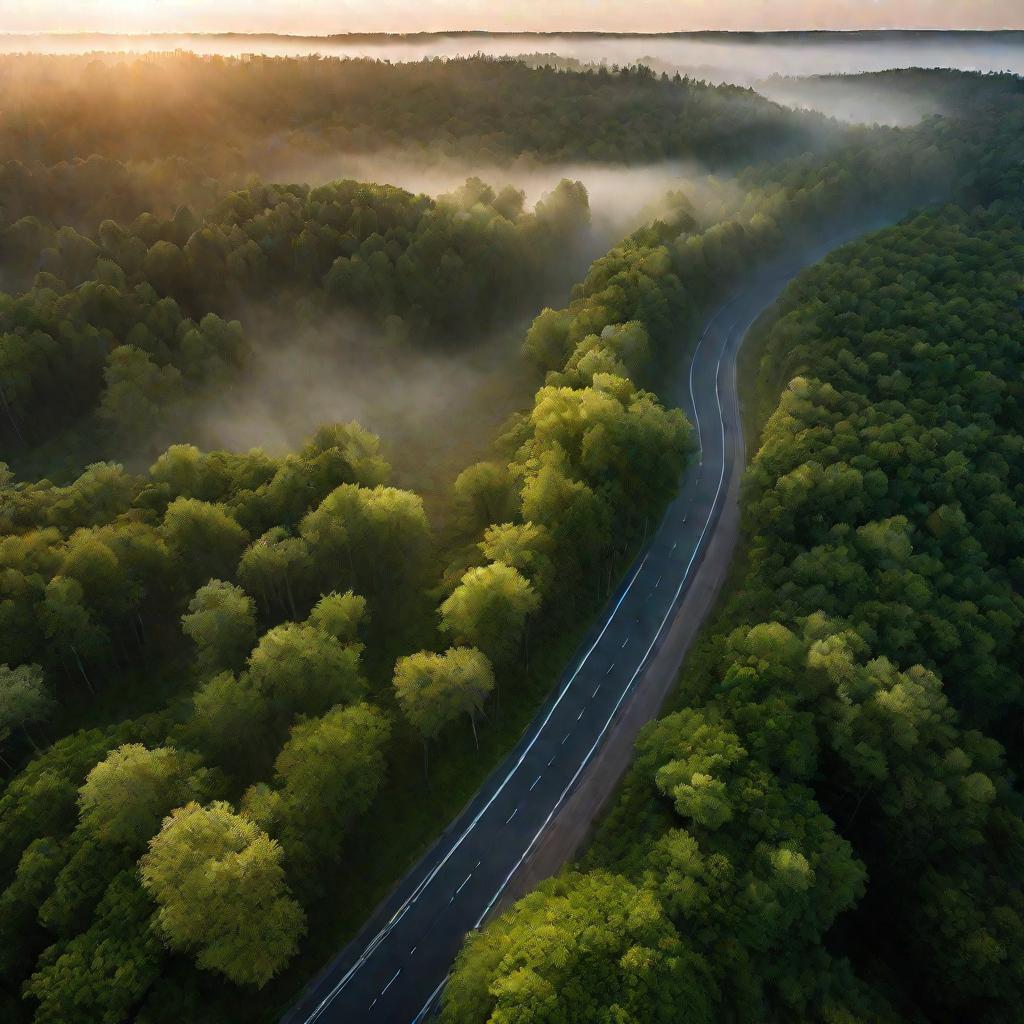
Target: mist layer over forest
(742, 58)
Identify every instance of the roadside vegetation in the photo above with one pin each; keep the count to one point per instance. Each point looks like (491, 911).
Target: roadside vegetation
(826, 824)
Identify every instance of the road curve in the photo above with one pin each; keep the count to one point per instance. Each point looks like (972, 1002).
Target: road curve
(535, 808)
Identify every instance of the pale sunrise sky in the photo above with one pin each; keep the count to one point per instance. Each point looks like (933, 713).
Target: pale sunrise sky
(328, 16)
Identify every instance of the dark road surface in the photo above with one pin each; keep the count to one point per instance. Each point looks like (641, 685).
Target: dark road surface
(393, 971)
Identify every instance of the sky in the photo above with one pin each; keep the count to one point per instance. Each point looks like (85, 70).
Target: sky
(318, 17)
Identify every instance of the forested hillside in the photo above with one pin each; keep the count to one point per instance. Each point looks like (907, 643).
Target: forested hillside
(217, 112)
(240, 691)
(827, 826)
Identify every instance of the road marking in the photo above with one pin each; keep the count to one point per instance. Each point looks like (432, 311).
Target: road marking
(512, 815)
(373, 1004)
(629, 684)
(536, 780)
(375, 942)
(391, 982)
(413, 950)
(580, 715)
(550, 762)
(693, 363)
(596, 688)
(464, 881)
(610, 667)
(564, 738)
(430, 1001)
(658, 584)
(626, 641)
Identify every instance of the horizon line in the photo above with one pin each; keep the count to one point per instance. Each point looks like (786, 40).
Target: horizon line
(520, 32)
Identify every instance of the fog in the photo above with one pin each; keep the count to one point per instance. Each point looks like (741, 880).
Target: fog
(855, 100)
(741, 58)
(435, 412)
(622, 198)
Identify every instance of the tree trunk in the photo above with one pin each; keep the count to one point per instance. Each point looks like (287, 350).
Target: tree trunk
(291, 599)
(81, 668)
(28, 736)
(10, 416)
(472, 721)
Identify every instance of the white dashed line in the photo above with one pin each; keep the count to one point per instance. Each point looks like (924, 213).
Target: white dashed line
(596, 688)
(636, 672)
(512, 815)
(536, 780)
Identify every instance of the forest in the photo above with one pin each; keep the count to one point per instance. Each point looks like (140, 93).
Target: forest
(827, 824)
(221, 670)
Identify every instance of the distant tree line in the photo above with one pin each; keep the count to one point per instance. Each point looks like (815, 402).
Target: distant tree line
(234, 116)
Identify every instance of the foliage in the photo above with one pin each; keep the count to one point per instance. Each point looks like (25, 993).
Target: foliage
(218, 881)
(829, 765)
(240, 626)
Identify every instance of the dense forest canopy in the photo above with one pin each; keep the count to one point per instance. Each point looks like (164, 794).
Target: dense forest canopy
(221, 670)
(237, 115)
(829, 827)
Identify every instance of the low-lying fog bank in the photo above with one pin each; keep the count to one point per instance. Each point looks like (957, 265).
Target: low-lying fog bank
(622, 198)
(742, 58)
(436, 412)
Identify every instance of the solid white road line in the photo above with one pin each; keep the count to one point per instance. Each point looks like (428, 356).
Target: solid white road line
(383, 933)
(640, 665)
(430, 1001)
(437, 991)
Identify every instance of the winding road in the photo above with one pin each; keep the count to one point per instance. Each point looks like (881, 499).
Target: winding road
(536, 808)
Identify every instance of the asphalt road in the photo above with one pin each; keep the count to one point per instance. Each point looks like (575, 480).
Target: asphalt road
(394, 970)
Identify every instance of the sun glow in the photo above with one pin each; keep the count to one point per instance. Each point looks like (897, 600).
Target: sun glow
(338, 16)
